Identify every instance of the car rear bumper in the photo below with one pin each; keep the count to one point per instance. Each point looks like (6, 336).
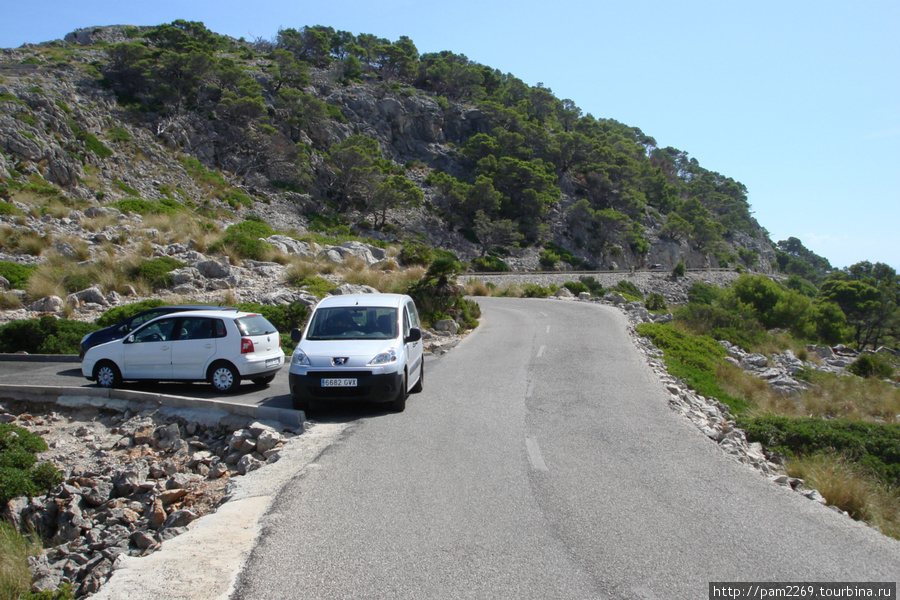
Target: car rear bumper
(368, 388)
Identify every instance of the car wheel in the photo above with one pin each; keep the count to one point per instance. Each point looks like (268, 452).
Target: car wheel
(107, 374)
(421, 382)
(299, 404)
(264, 380)
(399, 404)
(224, 377)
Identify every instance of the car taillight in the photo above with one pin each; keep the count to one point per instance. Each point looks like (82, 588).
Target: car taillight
(246, 345)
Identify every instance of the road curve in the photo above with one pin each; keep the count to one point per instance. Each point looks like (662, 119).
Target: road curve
(542, 461)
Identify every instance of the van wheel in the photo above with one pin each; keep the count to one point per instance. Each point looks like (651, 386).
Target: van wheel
(421, 382)
(107, 374)
(224, 377)
(399, 404)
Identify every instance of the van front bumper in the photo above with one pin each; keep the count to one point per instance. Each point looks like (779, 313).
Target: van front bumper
(368, 387)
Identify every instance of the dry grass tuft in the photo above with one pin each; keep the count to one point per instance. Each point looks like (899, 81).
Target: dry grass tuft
(850, 489)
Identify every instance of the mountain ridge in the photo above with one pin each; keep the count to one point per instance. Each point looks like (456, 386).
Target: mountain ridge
(272, 129)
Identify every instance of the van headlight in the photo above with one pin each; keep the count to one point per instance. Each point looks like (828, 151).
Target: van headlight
(299, 358)
(384, 358)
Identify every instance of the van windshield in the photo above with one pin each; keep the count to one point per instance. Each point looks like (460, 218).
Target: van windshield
(353, 323)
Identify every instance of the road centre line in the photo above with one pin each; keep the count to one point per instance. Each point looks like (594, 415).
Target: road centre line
(534, 455)
(540, 351)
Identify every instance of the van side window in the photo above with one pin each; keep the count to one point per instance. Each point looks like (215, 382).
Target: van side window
(413, 315)
(405, 321)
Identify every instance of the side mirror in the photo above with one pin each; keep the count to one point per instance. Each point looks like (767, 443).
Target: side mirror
(296, 334)
(415, 334)
(129, 339)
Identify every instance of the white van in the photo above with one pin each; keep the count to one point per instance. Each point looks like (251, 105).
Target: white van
(360, 347)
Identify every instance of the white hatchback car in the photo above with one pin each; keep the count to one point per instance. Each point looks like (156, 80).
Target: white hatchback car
(362, 347)
(215, 346)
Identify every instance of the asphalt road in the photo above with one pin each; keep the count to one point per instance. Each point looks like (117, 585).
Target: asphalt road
(68, 374)
(541, 461)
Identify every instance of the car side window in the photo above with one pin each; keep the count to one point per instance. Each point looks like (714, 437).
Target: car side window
(158, 331)
(196, 328)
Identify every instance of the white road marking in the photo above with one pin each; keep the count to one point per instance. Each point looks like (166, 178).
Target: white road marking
(540, 351)
(534, 455)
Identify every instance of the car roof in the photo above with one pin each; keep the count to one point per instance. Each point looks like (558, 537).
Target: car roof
(364, 300)
(204, 313)
(170, 308)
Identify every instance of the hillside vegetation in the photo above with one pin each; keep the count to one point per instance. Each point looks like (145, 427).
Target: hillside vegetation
(360, 133)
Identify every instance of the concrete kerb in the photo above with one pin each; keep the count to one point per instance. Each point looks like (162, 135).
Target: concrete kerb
(207, 412)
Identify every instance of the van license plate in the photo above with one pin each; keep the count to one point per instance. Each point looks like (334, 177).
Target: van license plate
(339, 383)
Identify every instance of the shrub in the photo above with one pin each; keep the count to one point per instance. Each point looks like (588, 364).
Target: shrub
(679, 269)
(16, 274)
(487, 264)
(8, 209)
(166, 206)
(655, 302)
(703, 293)
(721, 324)
(414, 253)
(874, 446)
(46, 335)
(695, 358)
(120, 313)
(18, 474)
(533, 290)
(872, 365)
(438, 297)
(576, 287)
(157, 271)
(284, 317)
(593, 285)
(629, 290)
(549, 259)
(318, 286)
(244, 239)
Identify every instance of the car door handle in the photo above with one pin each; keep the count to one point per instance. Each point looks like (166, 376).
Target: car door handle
(164, 348)
(209, 346)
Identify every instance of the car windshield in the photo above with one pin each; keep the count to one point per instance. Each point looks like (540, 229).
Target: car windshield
(353, 323)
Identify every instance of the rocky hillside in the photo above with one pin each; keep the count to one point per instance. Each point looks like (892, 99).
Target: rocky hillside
(121, 137)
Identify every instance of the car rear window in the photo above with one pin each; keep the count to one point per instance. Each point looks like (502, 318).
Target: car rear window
(353, 323)
(254, 325)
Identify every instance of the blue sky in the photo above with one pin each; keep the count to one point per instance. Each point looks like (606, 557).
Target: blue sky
(798, 100)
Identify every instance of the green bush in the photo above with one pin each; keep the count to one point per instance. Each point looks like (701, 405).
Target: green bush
(679, 269)
(593, 285)
(533, 290)
(157, 271)
(46, 335)
(414, 253)
(703, 293)
(655, 302)
(166, 206)
(318, 286)
(16, 274)
(694, 358)
(549, 259)
(489, 264)
(283, 316)
(629, 290)
(244, 239)
(576, 287)
(721, 324)
(874, 446)
(75, 282)
(872, 365)
(120, 313)
(18, 474)
(8, 209)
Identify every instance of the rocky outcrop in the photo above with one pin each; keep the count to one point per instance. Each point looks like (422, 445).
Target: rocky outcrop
(131, 481)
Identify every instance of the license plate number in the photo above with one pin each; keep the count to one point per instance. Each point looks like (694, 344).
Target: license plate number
(273, 362)
(339, 382)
